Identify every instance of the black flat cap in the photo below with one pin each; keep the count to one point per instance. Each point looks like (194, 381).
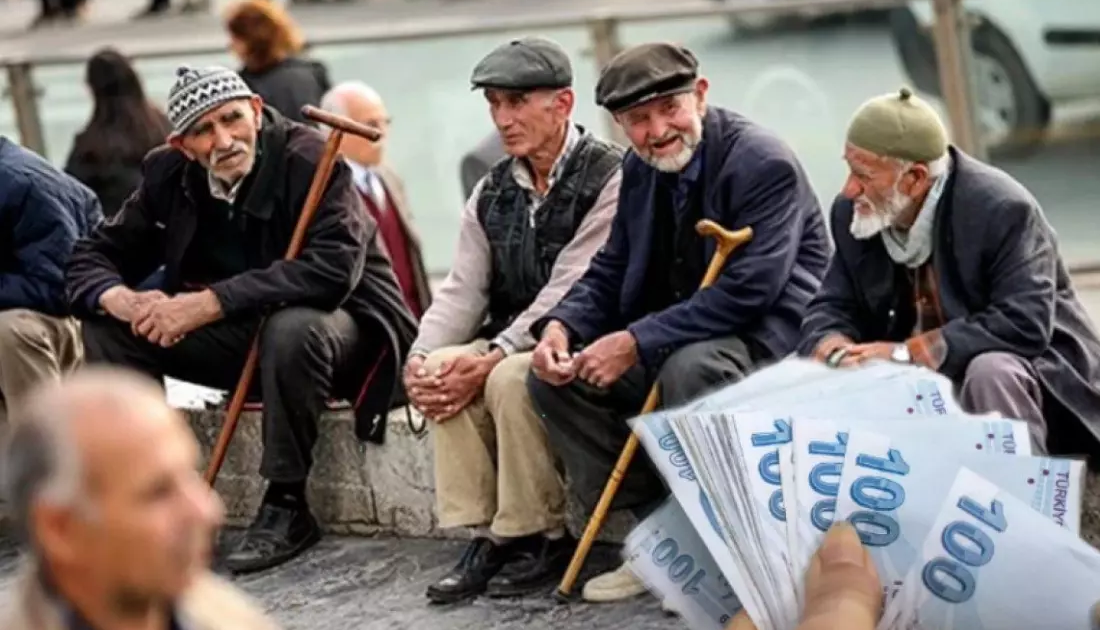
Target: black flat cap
(528, 63)
(646, 72)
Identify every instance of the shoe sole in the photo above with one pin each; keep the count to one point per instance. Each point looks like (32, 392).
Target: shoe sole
(507, 592)
(437, 598)
(551, 579)
(245, 568)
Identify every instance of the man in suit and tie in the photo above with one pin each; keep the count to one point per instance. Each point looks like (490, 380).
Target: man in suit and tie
(381, 188)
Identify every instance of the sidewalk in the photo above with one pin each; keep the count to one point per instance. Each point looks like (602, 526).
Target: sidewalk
(379, 584)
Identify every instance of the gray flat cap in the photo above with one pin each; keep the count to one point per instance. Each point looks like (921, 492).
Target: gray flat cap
(528, 63)
(646, 72)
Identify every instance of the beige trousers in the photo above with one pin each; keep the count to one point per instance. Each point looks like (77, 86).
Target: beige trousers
(34, 348)
(493, 464)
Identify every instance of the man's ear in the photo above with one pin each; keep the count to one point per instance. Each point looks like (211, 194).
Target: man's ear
(257, 103)
(176, 141)
(701, 87)
(567, 99)
(53, 528)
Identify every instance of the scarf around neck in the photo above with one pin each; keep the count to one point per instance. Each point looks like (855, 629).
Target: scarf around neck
(913, 247)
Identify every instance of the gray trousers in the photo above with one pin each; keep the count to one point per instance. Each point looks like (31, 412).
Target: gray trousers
(587, 426)
(305, 354)
(1006, 384)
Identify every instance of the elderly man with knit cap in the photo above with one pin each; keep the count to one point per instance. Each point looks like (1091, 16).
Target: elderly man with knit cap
(216, 208)
(949, 263)
(636, 317)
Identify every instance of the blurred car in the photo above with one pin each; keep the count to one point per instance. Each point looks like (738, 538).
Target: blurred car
(767, 20)
(1029, 55)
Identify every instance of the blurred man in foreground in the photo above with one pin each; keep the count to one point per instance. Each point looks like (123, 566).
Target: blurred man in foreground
(102, 480)
(381, 188)
(949, 263)
(527, 233)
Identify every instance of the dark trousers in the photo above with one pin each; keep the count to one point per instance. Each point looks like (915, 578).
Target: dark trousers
(305, 355)
(587, 426)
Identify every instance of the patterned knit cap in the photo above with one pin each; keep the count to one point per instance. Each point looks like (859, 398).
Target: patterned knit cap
(199, 90)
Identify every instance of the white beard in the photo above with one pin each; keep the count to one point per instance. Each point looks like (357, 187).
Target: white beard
(675, 163)
(868, 224)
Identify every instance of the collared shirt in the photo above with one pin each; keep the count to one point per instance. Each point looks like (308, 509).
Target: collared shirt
(222, 190)
(687, 178)
(368, 182)
(521, 171)
(74, 621)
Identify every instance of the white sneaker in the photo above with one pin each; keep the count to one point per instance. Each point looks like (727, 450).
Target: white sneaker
(613, 586)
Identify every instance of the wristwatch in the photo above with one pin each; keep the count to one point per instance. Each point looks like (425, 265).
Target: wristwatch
(901, 354)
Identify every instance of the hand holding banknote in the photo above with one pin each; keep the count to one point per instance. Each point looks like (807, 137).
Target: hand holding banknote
(842, 587)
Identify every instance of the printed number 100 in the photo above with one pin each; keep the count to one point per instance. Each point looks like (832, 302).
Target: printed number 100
(680, 566)
(950, 579)
(877, 529)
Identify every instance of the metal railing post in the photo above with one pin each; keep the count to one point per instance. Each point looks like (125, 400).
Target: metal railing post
(951, 33)
(24, 98)
(604, 36)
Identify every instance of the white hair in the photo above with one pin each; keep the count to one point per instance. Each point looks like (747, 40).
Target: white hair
(336, 99)
(42, 462)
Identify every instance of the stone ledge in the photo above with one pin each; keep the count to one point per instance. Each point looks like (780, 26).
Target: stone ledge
(369, 489)
(357, 489)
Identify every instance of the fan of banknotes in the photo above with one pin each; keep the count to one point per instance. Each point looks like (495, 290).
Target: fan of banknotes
(968, 530)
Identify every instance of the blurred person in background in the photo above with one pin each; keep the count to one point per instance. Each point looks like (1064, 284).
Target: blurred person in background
(269, 45)
(160, 7)
(479, 160)
(527, 233)
(125, 125)
(56, 12)
(102, 481)
(381, 188)
(43, 213)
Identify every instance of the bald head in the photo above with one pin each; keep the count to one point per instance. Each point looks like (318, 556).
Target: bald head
(359, 102)
(102, 479)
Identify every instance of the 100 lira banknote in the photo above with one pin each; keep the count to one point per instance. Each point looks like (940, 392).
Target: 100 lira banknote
(891, 489)
(667, 554)
(991, 562)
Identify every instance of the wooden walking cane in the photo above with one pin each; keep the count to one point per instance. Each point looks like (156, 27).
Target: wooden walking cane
(338, 126)
(727, 242)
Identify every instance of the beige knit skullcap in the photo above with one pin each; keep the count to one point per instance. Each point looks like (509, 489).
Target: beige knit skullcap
(899, 125)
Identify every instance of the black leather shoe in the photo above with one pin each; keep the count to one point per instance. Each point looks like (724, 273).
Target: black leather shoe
(537, 563)
(481, 560)
(277, 535)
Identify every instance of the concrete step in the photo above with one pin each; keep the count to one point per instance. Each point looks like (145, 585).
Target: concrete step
(357, 489)
(369, 489)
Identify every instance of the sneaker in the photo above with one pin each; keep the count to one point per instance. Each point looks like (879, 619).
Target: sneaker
(613, 586)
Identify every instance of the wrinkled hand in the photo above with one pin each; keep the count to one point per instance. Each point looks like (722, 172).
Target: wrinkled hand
(606, 360)
(842, 587)
(551, 361)
(165, 322)
(123, 303)
(864, 352)
(441, 394)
